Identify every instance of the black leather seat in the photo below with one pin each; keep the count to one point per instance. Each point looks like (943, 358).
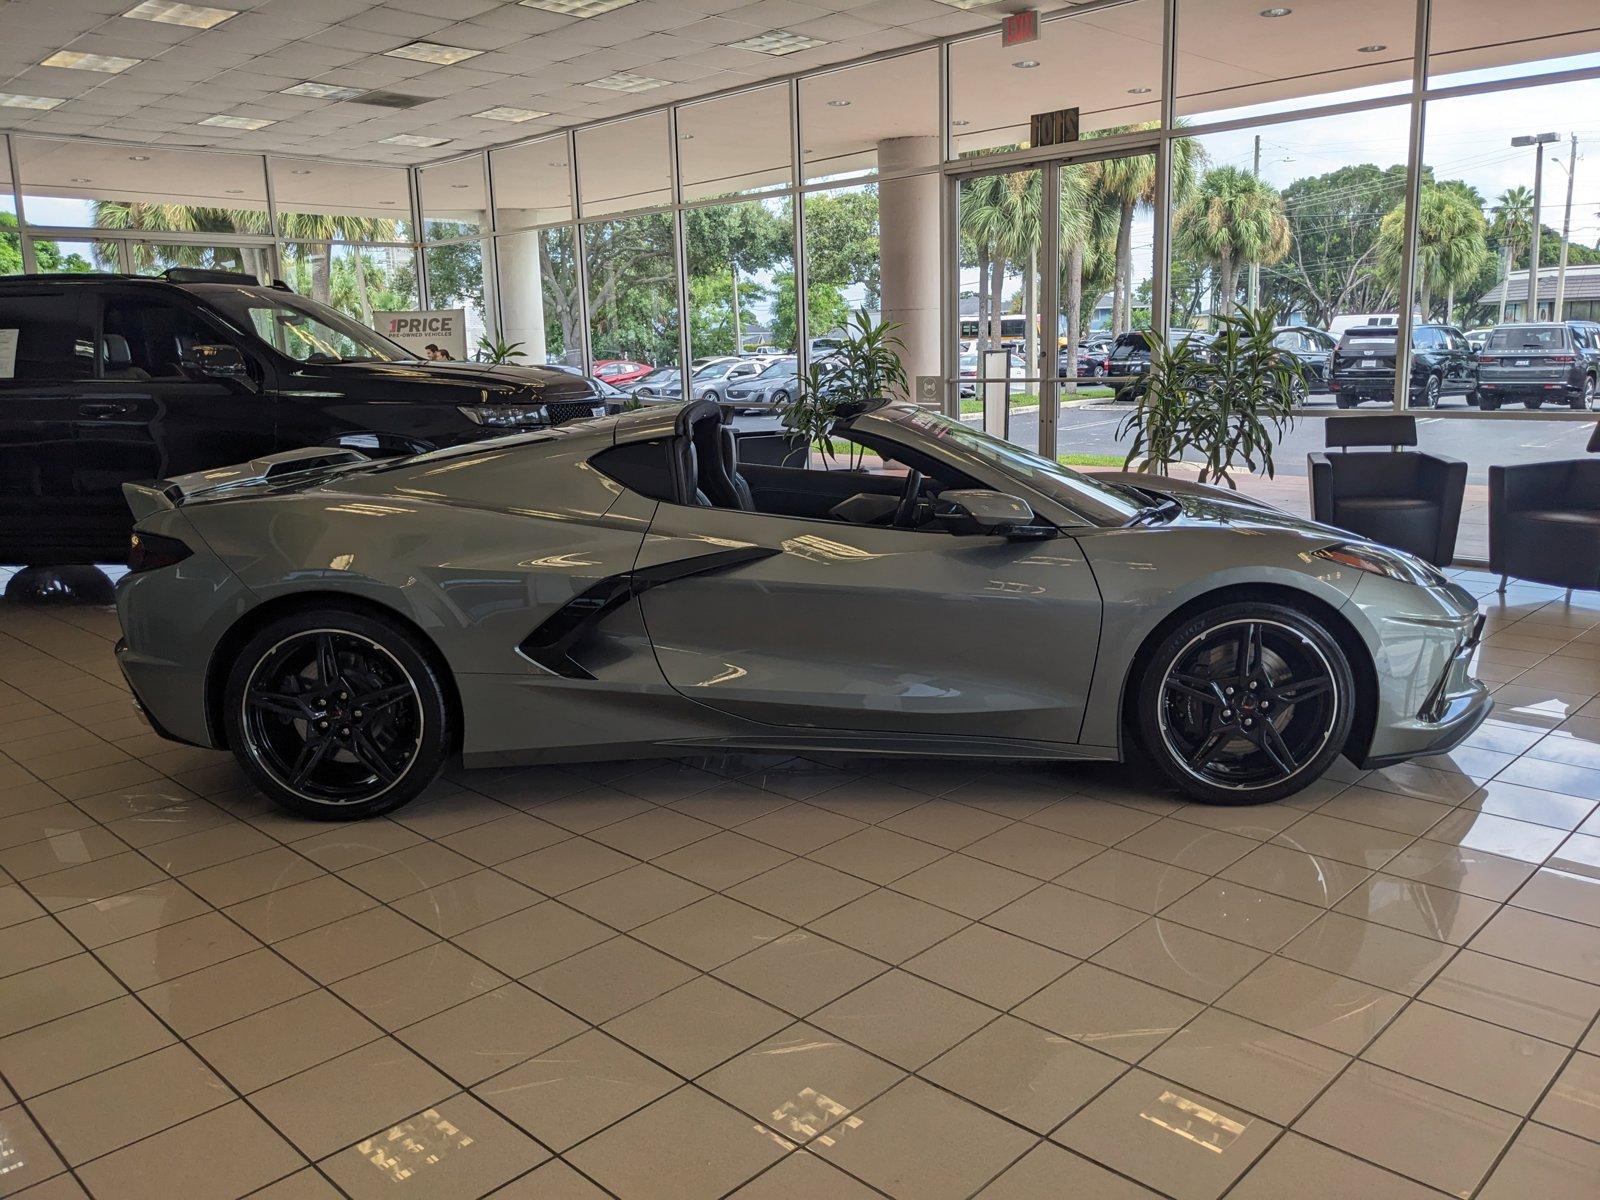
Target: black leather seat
(1544, 520)
(1408, 500)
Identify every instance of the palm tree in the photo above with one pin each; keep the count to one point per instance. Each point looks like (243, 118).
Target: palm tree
(1130, 182)
(1233, 220)
(1000, 216)
(1452, 243)
(1512, 228)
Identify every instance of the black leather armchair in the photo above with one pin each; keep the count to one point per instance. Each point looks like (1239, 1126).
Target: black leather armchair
(1544, 521)
(1404, 499)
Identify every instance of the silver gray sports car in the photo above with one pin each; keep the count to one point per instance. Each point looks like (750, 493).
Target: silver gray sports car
(622, 586)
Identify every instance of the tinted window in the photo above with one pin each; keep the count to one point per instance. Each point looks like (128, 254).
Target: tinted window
(1370, 340)
(44, 337)
(145, 338)
(1536, 337)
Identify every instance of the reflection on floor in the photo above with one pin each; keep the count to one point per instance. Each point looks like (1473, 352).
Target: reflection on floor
(777, 977)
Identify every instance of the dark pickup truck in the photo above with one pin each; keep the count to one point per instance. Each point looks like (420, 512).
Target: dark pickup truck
(1442, 364)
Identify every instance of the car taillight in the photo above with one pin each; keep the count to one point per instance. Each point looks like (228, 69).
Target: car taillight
(1561, 358)
(1487, 358)
(150, 551)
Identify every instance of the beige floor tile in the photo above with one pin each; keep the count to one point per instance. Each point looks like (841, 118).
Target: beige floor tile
(1462, 1054)
(339, 1101)
(947, 823)
(1333, 1010)
(1131, 1128)
(1575, 897)
(1548, 1006)
(1545, 1163)
(996, 968)
(730, 804)
(1296, 874)
(1180, 959)
(1242, 914)
(1033, 850)
(254, 875)
(1047, 1172)
(1191, 847)
(1344, 841)
(351, 945)
(458, 905)
(1260, 1069)
(803, 1174)
(357, 841)
(490, 1033)
(533, 938)
(712, 931)
(1064, 920)
(873, 798)
(800, 890)
(292, 910)
(1093, 820)
(174, 950)
(553, 1181)
(265, 1047)
(888, 925)
(221, 1153)
(34, 943)
(1435, 1137)
(1573, 1102)
(1375, 954)
(197, 851)
(696, 1026)
(633, 897)
(591, 809)
(919, 1141)
(1307, 1170)
(1566, 778)
(1548, 943)
(32, 1160)
(722, 860)
(1420, 908)
(215, 995)
(1461, 869)
(879, 855)
(54, 990)
(418, 985)
(1109, 1012)
(17, 906)
(568, 1093)
(69, 1048)
(606, 980)
(424, 865)
(1521, 840)
(505, 838)
(566, 865)
(455, 1149)
(801, 1081)
(1537, 805)
(132, 913)
(968, 886)
(906, 1020)
(1400, 814)
(800, 971)
(1130, 880)
(658, 831)
(106, 1111)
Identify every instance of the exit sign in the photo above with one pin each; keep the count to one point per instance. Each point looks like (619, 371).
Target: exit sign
(1020, 27)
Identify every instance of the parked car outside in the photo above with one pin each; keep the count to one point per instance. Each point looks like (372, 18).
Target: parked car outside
(1017, 368)
(618, 371)
(1476, 337)
(109, 379)
(1088, 363)
(1535, 363)
(662, 383)
(776, 385)
(1131, 356)
(1442, 365)
(711, 382)
(1311, 349)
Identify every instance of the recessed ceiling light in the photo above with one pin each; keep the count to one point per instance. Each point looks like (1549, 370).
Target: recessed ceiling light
(1138, 91)
(838, 104)
(433, 52)
(234, 191)
(1373, 49)
(516, 115)
(1026, 64)
(963, 123)
(42, 103)
(138, 158)
(461, 187)
(626, 81)
(299, 171)
(386, 202)
(412, 139)
(74, 60)
(1276, 12)
(195, 16)
(777, 43)
(582, 9)
(80, 179)
(224, 122)
(322, 91)
(966, 4)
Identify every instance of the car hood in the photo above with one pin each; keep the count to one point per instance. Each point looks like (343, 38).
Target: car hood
(1206, 504)
(477, 382)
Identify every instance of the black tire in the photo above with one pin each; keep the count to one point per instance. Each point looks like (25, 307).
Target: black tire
(1533, 400)
(1430, 393)
(351, 762)
(1488, 403)
(1184, 691)
(1344, 401)
(1585, 400)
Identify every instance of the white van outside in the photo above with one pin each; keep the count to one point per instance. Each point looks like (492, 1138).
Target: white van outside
(1339, 324)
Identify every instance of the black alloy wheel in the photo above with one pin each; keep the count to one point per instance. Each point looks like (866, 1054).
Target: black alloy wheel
(339, 718)
(1247, 703)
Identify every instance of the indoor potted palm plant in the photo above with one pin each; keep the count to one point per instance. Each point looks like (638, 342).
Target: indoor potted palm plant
(864, 369)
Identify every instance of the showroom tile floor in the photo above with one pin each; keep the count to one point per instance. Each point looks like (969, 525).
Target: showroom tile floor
(773, 977)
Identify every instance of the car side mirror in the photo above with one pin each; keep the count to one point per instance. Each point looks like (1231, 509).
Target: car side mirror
(217, 361)
(993, 514)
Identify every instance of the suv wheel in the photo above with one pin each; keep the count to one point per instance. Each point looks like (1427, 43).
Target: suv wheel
(1344, 401)
(1587, 401)
(336, 714)
(1534, 400)
(1246, 703)
(1429, 396)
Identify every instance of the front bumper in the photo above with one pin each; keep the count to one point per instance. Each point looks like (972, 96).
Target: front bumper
(1441, 703)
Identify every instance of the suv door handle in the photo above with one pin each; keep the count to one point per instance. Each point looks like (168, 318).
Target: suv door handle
(103, 410)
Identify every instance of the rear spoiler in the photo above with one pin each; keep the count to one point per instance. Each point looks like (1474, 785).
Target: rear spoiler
(159, 495)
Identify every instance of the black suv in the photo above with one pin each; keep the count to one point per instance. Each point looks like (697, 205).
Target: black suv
(1538, 362)
(1130, 356)
(106, 379)
(1442, 364)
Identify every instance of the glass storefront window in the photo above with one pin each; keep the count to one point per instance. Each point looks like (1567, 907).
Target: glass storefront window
(455, 200)
(10, 238)
(532, 183)
(340, 202)
(1106, 64)
(741, 278)
(735, 145)
(539, 310)
(85, 184)
(633, 290)
(455, 280)
(624, 165)
(76, 257)
(358, 281)
(843, 266)
(878, 117)
(152, 258)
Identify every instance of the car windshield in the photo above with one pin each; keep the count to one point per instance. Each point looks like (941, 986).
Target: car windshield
(1102, 503)
(304, 330)
(661, 375)
(777, 369)
(1377, 338)
(715, 370)
(1532, 337)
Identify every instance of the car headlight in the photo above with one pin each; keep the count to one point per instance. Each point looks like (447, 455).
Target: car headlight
(1381, 560)
(504, 415)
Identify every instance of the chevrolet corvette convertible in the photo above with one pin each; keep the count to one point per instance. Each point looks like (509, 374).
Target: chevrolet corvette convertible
(624, 587)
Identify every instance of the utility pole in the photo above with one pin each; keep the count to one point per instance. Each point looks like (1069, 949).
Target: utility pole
(1254, 295)
(1566, 233)
(1539, 141)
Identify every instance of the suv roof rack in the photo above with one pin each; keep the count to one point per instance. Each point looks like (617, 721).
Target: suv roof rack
(207, 275)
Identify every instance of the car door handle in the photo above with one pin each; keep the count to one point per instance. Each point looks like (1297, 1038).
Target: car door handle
(102, 411)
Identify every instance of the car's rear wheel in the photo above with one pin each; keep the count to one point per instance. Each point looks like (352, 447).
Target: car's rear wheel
(1533, 400)
(1344, 401)
(1246, 703)
(336, 714)
(1488, 403)
(1586, 402)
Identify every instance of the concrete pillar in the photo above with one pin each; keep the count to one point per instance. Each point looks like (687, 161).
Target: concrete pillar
(522, 294)
(908, 250)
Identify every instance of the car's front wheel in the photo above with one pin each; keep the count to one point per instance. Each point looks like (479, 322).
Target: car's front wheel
(1246, 703)
(337, 714)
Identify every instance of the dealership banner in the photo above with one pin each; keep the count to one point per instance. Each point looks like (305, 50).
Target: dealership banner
(443, 329)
